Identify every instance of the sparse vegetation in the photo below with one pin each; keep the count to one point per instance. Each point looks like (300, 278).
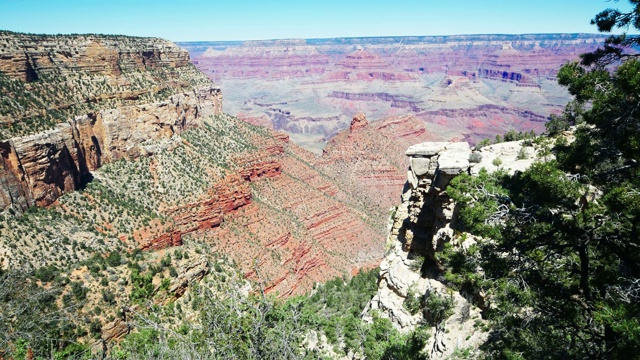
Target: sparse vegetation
(475, 157)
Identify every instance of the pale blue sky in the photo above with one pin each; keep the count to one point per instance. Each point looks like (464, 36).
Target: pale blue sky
(195, 20)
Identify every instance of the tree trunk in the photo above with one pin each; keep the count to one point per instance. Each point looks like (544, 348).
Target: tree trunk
(584, 269)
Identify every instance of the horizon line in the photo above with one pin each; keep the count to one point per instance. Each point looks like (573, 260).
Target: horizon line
(400, 36)
(316, 38)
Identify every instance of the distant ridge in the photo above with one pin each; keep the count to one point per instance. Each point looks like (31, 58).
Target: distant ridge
(195, 47)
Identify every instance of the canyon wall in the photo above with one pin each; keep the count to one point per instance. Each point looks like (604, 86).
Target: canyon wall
(29, 57)
(466, 87)
(136, 154)
(37, 169)
(105, 117)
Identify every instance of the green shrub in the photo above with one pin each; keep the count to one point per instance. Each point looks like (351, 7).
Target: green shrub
(46, 273)
(556, 125)
(114, 259)
(475, 157)
(173, 272)
(438, 308)
(523, 153)
(413, 301)
(108, 297)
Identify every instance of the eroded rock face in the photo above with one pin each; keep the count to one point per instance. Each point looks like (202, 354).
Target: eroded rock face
(115, 330)
(419, 228)
(40, 168)
(191, 273)
(430, 210)
(223, 198)
(75, 102)
(325, 229)
(26, 57)
(359, 121)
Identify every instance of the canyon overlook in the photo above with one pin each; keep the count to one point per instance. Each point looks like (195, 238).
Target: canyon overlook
(471, 196)
(136, 153)
(465, 87)
(422, 225)
(132, 151)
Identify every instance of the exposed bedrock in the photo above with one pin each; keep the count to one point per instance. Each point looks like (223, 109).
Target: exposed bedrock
(39, 168)
(418, 229)
(27, 57)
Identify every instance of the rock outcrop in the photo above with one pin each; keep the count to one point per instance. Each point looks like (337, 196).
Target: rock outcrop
(419, 228)
(192, 273)
(359, 121)
(76, 102)
(430, 210)
(114, 330)
(38, 168)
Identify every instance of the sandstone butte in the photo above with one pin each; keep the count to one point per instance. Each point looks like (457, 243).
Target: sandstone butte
(287, 217)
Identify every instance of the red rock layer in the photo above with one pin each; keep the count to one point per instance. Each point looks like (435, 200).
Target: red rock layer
(484, 121)
(224, 197)
(322, 217)
(370, 163)
(229, 194)
(164, 241)
(302, 228)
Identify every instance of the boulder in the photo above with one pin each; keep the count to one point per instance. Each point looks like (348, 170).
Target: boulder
(191, 273)
(427, 149)
(454, 159)
(359, 121)
(115, 330)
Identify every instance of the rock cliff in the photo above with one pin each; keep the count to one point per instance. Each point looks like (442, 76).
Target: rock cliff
(28, 57)
(420, 227)
(74, 103)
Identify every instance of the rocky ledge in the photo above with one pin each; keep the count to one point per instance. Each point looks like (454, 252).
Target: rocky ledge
(27, 57)
(419, 228)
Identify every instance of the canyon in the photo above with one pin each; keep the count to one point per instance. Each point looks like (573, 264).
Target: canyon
(124, 184)
(465, 87)
(133, 151)
(125, 142)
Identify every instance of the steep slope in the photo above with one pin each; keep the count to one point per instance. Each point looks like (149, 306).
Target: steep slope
(119, 173)
(244, 190)
(368, 158)
(421, 230)
(73, 103)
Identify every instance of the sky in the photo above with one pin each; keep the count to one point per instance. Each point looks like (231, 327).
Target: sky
(216, 20)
